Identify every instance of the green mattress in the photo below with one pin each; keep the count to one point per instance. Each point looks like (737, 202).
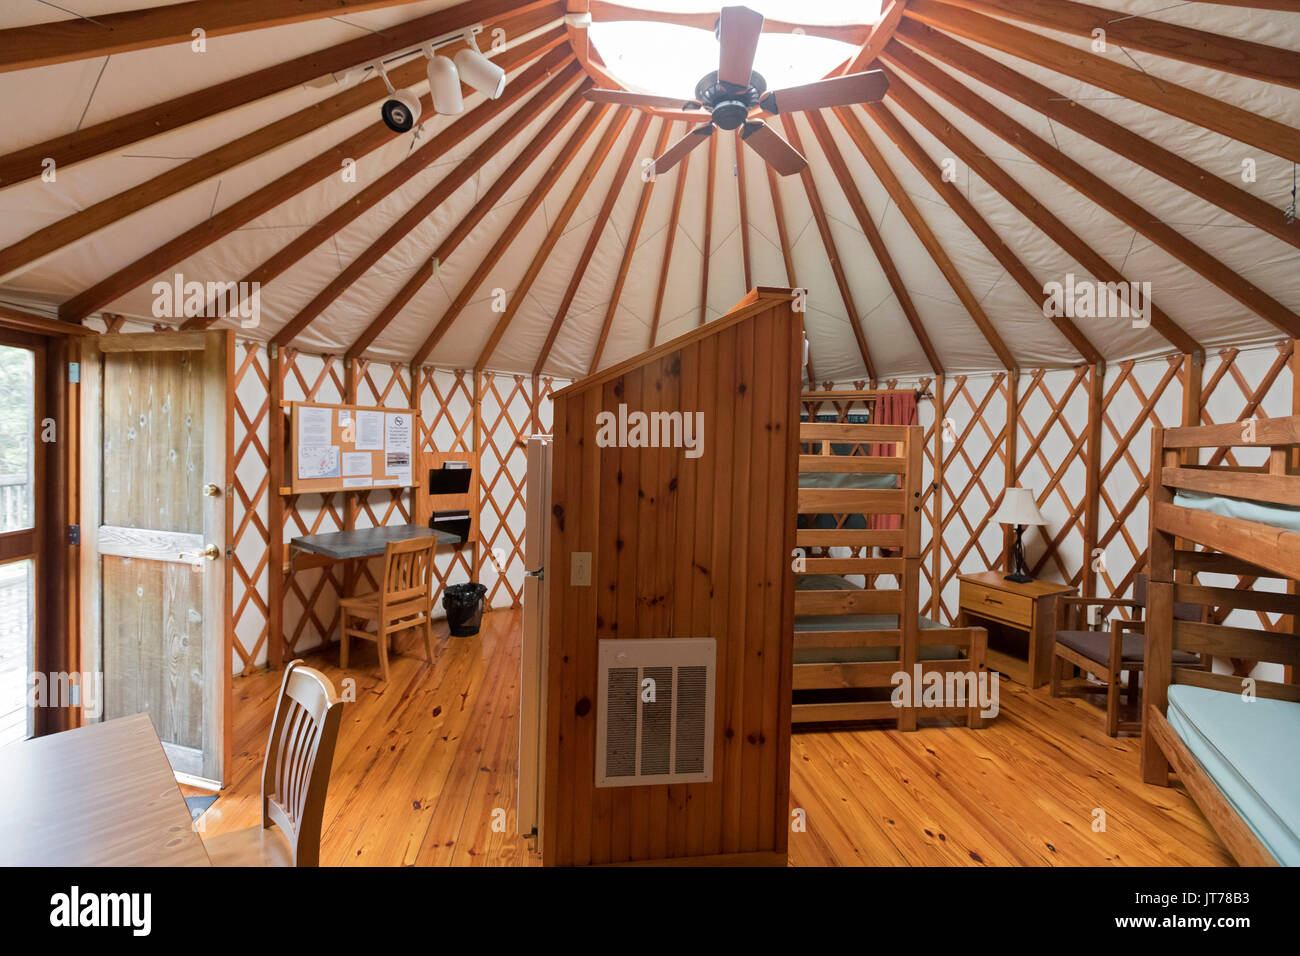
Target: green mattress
(855, 622)
(1251, 750)
(1278, 516)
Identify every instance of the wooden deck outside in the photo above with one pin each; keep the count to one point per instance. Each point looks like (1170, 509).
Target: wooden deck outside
(15, 617)
(424, 762)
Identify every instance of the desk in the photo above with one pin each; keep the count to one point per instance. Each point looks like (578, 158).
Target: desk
(363, 542)
(101, 795)
(989, 600)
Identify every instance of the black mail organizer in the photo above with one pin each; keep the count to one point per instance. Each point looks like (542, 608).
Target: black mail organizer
(453, 478)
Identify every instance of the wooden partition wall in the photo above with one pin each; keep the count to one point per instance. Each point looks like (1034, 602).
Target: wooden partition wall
(681, 547)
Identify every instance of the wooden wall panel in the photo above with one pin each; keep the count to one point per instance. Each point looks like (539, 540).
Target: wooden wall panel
(680, 547)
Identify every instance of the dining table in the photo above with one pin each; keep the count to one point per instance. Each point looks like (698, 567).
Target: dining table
(100, 795)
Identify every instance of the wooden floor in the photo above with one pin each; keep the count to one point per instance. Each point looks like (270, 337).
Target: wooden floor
(424, 764)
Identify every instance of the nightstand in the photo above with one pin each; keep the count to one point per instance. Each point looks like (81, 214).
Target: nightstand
(1019, 618)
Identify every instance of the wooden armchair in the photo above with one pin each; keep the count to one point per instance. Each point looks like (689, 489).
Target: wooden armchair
(1120, 649)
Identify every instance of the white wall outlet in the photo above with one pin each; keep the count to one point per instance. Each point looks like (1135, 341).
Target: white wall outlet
(1096, 615)
(580, 569)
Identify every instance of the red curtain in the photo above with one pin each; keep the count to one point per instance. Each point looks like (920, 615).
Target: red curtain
(894, 408)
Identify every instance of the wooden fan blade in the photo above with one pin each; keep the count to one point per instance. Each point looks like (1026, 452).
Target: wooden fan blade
(675, 153)
(869, 87)
(738, 32)
(771, 145)
(626, 98)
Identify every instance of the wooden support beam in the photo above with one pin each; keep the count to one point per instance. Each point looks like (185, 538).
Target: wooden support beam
(828, 242)
(1020, 198)
(743, 206)
(1110, 74)
(570, 148)
(710, 173)
(670, 239)
(275, 510)
(1089, 184)
(576, 195)
(105, 34)
(430, 202)
(923, 232)
(1214, 51)
(1092, 478)
(114, 135)
(531, 150)
(11, 318)
(1112, 135)
(881, 32)
(256, 204)
(936, 516)
(629, 250)
(1012, 469)
(593, 238)
(604, 12)
(868, 226)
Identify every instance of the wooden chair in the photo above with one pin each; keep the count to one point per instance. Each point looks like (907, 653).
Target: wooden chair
(295, 776)
(405, 600)
(1108, 655)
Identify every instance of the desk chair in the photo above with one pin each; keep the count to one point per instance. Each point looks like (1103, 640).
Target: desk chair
(404, 600)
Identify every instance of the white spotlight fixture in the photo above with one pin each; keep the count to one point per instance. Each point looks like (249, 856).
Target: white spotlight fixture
(401, 111)
(478, 71)
(444, 84)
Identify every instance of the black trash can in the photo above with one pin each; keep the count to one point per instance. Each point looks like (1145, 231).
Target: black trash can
(464, 606)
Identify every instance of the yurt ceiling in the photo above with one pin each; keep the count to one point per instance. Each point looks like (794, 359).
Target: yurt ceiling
(1020, 142)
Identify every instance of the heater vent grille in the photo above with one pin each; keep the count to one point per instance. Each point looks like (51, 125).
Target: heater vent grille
(655, 717)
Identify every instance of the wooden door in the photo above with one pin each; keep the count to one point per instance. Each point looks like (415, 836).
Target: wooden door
(156, 533)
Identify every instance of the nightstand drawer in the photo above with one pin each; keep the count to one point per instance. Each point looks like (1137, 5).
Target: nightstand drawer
(1002, 605)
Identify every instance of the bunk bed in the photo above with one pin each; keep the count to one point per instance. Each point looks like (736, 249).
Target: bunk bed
(1233, 742)
(851, 639)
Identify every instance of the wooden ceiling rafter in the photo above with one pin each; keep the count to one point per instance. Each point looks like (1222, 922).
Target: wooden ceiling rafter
(742, 208)
(486, 202)
(1024, 202)
(568, 151)
(670, 240)
(410, 166)
(553, 234)
(258, 203)
(84, 38)
(1115, 137)
(783, 238)
(1109, 74)
(50, 239)
(1256, 61)
(908, 208)
(976, 223)
(629, 250)
(863, 215)
(601, 11)
(710, 174)
(877, 37)
(593, 238)
(828, 243)
(1110, 199)
(114, 135)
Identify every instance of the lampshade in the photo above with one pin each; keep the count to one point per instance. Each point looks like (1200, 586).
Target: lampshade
(1018, 507)
(444, 86)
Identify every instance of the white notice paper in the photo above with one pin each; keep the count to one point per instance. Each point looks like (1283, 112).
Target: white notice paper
(356, 463)
(397, 446)
(313, 427)
(370, 431)
(356, 482)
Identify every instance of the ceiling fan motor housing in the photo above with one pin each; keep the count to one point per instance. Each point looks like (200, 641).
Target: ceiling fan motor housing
(729, 103)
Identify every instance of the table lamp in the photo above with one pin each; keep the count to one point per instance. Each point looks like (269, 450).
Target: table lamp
(1018, 509)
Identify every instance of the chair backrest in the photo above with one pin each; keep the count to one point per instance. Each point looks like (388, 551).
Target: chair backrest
(1183, 611)
(408, 571)
(299, 754)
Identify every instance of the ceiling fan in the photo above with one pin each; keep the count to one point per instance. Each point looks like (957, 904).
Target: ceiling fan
(725, 97)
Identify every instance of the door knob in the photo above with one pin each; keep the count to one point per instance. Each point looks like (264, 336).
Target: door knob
(211, 490)
(211, 552)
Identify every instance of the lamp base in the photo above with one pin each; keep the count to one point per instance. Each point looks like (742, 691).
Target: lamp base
(1018, 578)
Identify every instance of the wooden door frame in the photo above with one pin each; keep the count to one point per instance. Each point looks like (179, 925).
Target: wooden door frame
(46, 544)
(218, 347)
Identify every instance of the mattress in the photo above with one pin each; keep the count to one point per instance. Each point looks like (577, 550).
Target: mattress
(858, 482)
(1249, 749)
(1278, 516)
(855, 622)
